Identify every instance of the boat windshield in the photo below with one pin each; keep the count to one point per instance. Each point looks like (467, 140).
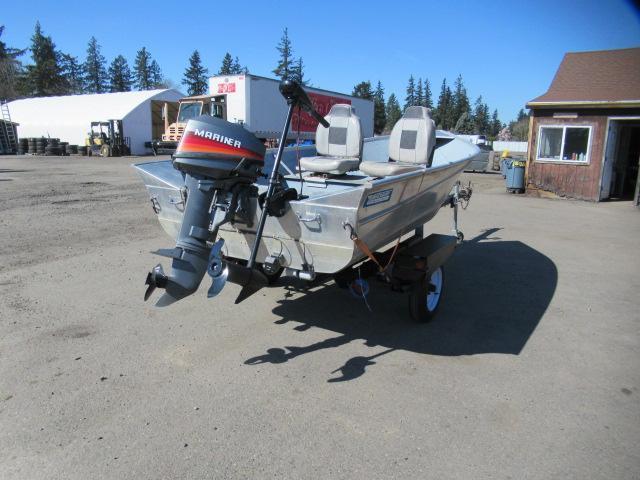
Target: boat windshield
(189, 111)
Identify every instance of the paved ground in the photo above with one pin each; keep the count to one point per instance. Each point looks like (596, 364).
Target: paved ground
(531, 369)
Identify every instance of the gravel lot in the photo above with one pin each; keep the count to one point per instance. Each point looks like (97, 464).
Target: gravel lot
(531, 369)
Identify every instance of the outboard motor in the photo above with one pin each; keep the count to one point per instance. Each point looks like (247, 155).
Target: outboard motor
(220, 161)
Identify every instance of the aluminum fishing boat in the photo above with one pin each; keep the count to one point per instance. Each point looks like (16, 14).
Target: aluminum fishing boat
(324, 209)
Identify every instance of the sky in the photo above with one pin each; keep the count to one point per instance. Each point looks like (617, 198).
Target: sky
(506, 51)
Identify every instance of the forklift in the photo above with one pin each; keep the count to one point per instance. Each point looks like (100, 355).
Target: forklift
(106, 139)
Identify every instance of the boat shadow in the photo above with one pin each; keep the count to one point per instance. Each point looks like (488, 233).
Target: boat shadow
(496, 292)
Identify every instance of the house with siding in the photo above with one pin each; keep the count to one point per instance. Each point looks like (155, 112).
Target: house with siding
(584, 132)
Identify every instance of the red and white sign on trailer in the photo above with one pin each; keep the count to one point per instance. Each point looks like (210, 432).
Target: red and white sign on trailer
(227, 87)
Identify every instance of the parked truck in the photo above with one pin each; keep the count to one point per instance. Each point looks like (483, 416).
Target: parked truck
(256, 103)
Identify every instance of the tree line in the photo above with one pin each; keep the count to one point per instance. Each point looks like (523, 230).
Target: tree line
(53, 72)
(452, 111)
(287, 68)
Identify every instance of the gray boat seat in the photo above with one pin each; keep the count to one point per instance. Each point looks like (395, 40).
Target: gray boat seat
(339, 147)
(411, 145)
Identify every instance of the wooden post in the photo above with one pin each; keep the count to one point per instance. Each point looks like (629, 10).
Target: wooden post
(529, 150)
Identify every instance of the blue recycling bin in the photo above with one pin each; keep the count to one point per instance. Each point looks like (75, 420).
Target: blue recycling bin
(515, 176)
(504, 161)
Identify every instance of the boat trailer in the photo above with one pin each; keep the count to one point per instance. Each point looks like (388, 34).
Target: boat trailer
(415, 265)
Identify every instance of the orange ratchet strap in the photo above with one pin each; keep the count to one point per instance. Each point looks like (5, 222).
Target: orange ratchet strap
(367, 251)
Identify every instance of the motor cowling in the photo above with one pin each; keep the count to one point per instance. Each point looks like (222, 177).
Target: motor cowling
(218, 149)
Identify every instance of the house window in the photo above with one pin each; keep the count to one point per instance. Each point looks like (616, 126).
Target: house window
(564, 144)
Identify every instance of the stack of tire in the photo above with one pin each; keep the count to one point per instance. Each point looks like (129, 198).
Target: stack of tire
(71, 149)
(41, 144)
(53, 147)
(31, 142)
(23, 146)
(82, 150)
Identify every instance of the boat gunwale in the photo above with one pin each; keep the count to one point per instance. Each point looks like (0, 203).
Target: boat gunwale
(386, 211)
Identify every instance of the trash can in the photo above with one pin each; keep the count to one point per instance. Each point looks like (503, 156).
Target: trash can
(504, 164)
(504, 158)
(515, 176)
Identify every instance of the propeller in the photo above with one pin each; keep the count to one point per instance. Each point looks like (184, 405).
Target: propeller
(155, 278)
(217, 270)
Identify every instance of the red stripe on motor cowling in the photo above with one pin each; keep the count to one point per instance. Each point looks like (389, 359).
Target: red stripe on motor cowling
(194, 143)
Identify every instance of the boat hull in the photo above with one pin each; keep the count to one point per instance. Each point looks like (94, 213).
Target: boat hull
(314, 233)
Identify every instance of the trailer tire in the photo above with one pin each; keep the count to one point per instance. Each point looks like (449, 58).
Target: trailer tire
(425, 296)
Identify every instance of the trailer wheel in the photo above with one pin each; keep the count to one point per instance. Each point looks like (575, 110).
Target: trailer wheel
(425, 296)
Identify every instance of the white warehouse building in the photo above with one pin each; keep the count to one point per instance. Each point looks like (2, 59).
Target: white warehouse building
(69, 117)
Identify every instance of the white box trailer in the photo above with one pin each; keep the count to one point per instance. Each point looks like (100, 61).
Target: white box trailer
(256, 102)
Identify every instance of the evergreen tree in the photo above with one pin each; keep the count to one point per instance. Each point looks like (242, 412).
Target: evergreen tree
(238, 69)
(95, 79)
(522, 115)
(444, 111)
(44, 77)
(428, 100)
(195, 76)
(73, 74)
(363, 90)
(419, 100)
(155, 75)
(393, 112)
(119, 75)
(10, 69)
(298, 73)
(464, 124)
(451, 119)
(481, 120)
(141, 69)
(410, 99)
(379, 110)
(8, 52)
(285, 63)
(460, 101)
(227, 65)
(520, 129)
(496, 124)
(486, 120)
(231, 66)
(146, 72)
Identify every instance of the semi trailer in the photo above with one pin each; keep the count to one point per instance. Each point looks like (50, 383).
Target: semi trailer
(255, 102)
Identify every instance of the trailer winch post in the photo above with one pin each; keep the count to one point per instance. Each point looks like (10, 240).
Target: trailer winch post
(455, 199)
